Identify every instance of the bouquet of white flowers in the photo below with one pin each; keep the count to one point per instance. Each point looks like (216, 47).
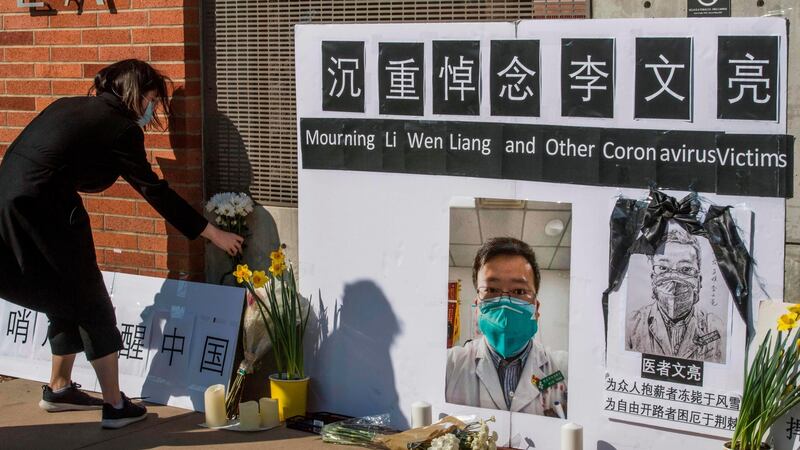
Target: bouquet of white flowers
(231, 209)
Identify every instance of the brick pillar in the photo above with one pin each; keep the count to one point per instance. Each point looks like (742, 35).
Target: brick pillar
(46, 57)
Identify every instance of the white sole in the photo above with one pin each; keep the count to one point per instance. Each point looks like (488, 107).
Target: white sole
(113, 424)
(59, 407)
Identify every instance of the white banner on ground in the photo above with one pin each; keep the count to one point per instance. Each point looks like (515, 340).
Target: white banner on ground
(179, 337)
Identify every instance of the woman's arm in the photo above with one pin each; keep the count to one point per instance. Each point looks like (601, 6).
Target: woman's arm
(131, 158)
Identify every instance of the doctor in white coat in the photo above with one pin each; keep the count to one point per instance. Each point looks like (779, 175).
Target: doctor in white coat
(505, 368)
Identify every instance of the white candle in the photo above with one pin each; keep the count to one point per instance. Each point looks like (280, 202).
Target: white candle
(269, 412)
(248, 416)
(215, 406)
(571, 436)
(420, 414)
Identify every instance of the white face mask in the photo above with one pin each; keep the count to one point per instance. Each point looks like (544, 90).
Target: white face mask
(147, 116)
(675, 296)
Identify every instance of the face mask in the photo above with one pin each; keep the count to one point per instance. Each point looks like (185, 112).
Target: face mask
(508, 324)
(147, 116)
(675, 296)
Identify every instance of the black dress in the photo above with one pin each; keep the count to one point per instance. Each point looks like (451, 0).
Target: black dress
(47, 255)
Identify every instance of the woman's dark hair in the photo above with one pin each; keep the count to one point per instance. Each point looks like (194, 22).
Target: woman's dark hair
(505, 246)
(130, 80)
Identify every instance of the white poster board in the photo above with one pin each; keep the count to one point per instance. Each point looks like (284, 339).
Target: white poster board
(380, 260)
(179, 337)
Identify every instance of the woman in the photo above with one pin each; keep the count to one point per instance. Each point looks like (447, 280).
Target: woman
(47, 256)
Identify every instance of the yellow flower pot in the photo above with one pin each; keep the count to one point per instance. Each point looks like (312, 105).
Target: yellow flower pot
(291, 396)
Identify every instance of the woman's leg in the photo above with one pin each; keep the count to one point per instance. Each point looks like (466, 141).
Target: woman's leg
(61, 372)
(107, 369)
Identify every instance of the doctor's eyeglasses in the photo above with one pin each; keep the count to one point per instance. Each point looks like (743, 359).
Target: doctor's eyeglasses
(660, 269)
(486, 293)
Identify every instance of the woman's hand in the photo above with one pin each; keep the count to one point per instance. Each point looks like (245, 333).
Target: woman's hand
(230, 243)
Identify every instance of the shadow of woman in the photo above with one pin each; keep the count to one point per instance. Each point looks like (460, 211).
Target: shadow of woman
(352, 371)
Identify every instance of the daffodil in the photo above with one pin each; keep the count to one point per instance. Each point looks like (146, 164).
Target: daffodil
(259, 279)
(787, 322)
(795, 309)
(277, 268)
(242, 273)
(277, 256)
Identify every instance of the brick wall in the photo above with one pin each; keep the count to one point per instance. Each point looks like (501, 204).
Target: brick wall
(45, 57)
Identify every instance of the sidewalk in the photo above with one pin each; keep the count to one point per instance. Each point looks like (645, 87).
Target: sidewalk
(24, 426)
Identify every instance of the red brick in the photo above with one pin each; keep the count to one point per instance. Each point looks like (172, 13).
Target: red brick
(115, 240)
(172, 16)
(90, 70)
(152, 243)
(16, 38)
(18, 103)
(155, 273)
(114, 36)
(16, 70)
(179, 71)
(123, 18)
(49, 37)
(121, 189)
(3, 148)
(19, 118)
(44, 102)
(23, 21)
(123, 52)
(85, 20)
(118, 4)
(71, 87)
(21, 54)
(168, 35)
(191, 88)
(111, 206)
(73, 54)
(4, 118)
(183, 263)
(138, 4)
(97, 221)
(130, 259)
(58, 70)
(28, 87)
(133, 224)
(174, 53)
(9, 134)
(143, 209)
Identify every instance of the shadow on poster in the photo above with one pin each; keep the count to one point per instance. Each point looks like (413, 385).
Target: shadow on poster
(508, 310)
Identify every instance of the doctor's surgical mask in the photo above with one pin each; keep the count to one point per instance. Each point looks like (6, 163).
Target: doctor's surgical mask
(676, 293)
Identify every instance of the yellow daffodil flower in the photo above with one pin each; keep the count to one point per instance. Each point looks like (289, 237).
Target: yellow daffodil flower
(259, 279)
(787, 322)
(277, 268)
(277, 257)
(242, 273)
(794, 309)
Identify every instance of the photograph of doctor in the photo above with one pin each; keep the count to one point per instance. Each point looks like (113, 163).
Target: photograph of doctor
(506, 368)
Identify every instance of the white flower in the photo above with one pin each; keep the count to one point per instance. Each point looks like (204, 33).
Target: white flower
(446, 442)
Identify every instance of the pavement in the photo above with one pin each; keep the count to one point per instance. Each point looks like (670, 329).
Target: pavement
(24, 426)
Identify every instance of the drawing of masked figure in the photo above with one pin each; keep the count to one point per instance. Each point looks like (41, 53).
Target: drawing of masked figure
(674, 324)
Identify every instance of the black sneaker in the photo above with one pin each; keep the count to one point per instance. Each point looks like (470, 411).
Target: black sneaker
(72, 399)
(129, 413)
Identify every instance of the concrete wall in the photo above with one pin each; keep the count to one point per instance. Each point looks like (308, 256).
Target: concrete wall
(608, 9)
